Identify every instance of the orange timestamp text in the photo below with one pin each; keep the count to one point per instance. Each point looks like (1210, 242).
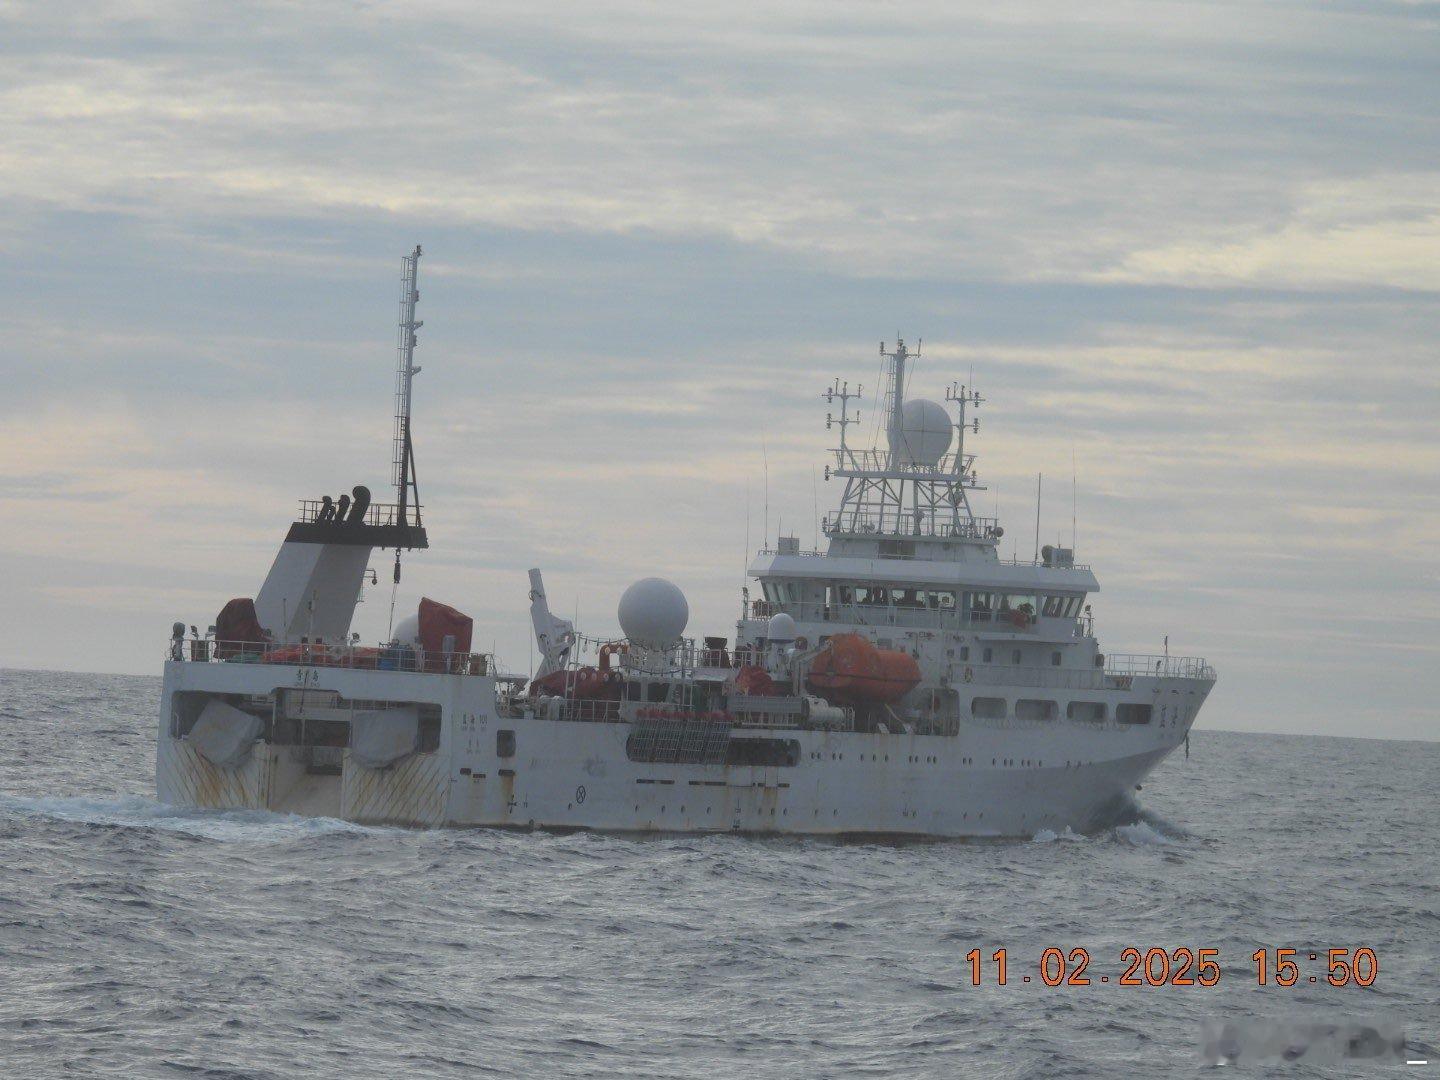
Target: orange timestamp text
(1179, 967)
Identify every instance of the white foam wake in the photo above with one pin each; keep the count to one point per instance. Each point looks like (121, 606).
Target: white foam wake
(1142, 834)
(136, 811)
(1050, 836)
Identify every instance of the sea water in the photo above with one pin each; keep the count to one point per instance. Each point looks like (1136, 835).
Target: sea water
(141, 940)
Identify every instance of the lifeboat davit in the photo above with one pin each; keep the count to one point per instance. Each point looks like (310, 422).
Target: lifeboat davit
(852, 671)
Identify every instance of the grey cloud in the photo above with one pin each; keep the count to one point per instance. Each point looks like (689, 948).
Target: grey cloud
(653, 240)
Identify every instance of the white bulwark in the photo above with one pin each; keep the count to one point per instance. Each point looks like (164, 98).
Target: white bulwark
(905, 680)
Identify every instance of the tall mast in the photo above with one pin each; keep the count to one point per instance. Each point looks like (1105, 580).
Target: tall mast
(402, 473)
(895, 393)
(917, 486)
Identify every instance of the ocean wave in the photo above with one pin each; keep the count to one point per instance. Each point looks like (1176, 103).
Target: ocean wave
(139, 812)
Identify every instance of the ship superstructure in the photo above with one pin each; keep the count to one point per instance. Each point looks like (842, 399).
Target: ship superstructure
(906, 680)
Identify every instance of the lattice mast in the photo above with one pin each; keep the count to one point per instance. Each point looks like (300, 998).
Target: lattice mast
(402, 472)
(890, 492)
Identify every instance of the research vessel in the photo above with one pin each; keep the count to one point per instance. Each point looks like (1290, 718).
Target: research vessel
(905, 680)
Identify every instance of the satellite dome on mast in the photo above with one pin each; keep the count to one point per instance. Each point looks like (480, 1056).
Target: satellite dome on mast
(653, 613)
(925, 432)
(781, 628)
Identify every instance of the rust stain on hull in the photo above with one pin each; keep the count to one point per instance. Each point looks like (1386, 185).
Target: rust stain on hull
(204, 784)
(413, 791)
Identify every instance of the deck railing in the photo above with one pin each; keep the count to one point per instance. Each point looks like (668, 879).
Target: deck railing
(324, 654)
(903, 525)
(375, 513)
(1119, 673)
(1170, 667)
(1045, 627)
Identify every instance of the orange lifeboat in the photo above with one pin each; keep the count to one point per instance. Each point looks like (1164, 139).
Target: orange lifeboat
(852, 670)
(585, 682)
(756, 682)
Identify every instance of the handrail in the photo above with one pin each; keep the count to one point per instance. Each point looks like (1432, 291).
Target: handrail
(1164, 665)
(903, 525)
(324, 654)
(375, 513)
(1046, 627)
(951, 468)
(1039, 564)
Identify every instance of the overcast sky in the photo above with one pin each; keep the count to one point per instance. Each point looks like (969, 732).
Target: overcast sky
(1196, 246)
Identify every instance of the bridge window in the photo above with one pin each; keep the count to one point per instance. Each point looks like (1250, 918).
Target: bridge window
(1002, 606)
(1090, 711)
(897, 549)
(1061, 606)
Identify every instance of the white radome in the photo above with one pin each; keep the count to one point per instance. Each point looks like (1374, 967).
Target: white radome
(653, 612)
(925, 432)
(781, 628)
(407, 630)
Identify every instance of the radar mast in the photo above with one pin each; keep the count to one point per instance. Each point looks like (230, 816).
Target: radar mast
(919, 484)
(895, 392)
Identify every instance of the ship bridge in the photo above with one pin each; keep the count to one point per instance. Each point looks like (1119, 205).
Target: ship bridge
(904, 547)
(1038, 599)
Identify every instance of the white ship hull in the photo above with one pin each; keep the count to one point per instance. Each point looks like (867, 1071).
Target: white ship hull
(905, 681)
(989, 780)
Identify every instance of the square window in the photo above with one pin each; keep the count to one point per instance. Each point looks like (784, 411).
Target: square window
(1015, 657)
(504, 744)
(1054, 659)
(964, 652)
(989, 653)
